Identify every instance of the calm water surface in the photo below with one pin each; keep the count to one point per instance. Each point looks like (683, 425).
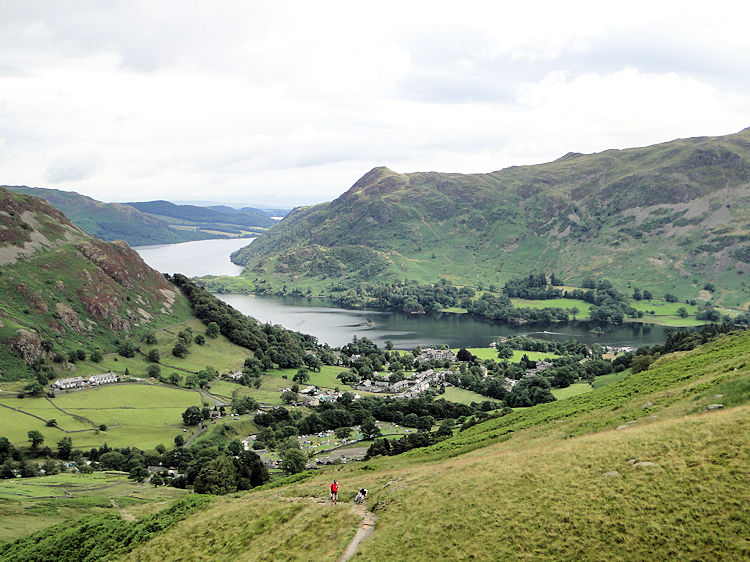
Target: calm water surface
(201, 257)
(336, 326)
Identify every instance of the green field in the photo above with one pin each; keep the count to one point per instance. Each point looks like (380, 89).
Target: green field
(462, 396)
(582, 306)
(30, 504)
(140, 415)
(491, 353)
(612, 378)
(572, 390)
(268, 393)
(326, 378)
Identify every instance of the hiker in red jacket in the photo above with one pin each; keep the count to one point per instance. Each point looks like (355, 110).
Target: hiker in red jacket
(334, 492)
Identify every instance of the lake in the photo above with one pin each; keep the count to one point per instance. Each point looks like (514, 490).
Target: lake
(200, 257)
(336, 326)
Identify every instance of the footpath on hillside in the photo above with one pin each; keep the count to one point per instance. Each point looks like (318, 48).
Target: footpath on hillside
(365, 528)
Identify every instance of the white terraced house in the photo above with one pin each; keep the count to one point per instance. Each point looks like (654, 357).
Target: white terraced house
(104, 378)
(72, 382)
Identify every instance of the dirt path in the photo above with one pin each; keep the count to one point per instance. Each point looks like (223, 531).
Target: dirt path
(364, 531)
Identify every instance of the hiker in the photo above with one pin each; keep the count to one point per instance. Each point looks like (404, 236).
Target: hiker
(334, 492)
(361, 495)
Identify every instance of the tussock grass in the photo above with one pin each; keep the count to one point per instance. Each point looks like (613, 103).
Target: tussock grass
(261, 526)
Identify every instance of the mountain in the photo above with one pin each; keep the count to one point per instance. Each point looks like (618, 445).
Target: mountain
(112, 221)
(61, 289)
(217, 217)
(669, 217)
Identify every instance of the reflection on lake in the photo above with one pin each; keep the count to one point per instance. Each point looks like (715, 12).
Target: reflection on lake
(336, 326)
(200, 257)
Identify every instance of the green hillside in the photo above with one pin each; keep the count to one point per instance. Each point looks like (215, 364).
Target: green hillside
(62, 290)
(207, 218)
(113, 221)
(654, 466)
(669, 217)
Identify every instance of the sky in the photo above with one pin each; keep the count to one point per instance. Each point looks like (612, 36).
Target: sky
(289, 103)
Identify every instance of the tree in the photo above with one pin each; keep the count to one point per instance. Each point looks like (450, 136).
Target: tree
(288, 396)
(96, 356)
(113, 460)
(293, 461)
(192, 415)
(244, 404)
(160, 448)
(235, 447)
(180, 349)
(52, 422)
(126, 349)
(302, 376)
(138, 473)
(156, 480)
(647, 295)
(153, 371)
(103, 427)
(464, 355)
(36, 438)
(682, 313)
(217, 477)
(179, 441)
(212, 330)
(369, 429)
(641, 363)
(174, 378)
(200, 340)
(64, 448)
(150, 338)
(34, 388)
(342, 432)
(154, 355)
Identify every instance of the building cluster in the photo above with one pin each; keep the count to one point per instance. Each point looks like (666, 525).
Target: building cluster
(313, 396)
(430, 354)
(540, 366)
(411, 387)
(80, 382)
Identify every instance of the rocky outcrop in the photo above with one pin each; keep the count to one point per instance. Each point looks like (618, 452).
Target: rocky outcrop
(27, 345)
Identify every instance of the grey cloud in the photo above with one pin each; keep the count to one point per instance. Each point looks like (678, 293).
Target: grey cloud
(73, 166)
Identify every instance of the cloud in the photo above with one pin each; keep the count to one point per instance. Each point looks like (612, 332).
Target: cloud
(291, 103)
(72, 163)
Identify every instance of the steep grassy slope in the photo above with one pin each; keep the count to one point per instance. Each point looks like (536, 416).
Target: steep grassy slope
(668, 217)
(61, 290)
(112, 221)
(635, 470)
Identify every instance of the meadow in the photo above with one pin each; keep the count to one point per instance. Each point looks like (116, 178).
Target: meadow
(484, 353)
(30, 504)
(140, 415)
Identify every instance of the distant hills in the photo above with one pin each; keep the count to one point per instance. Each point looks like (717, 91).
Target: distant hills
(670, 217)
(153, 222)
(61, 289)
